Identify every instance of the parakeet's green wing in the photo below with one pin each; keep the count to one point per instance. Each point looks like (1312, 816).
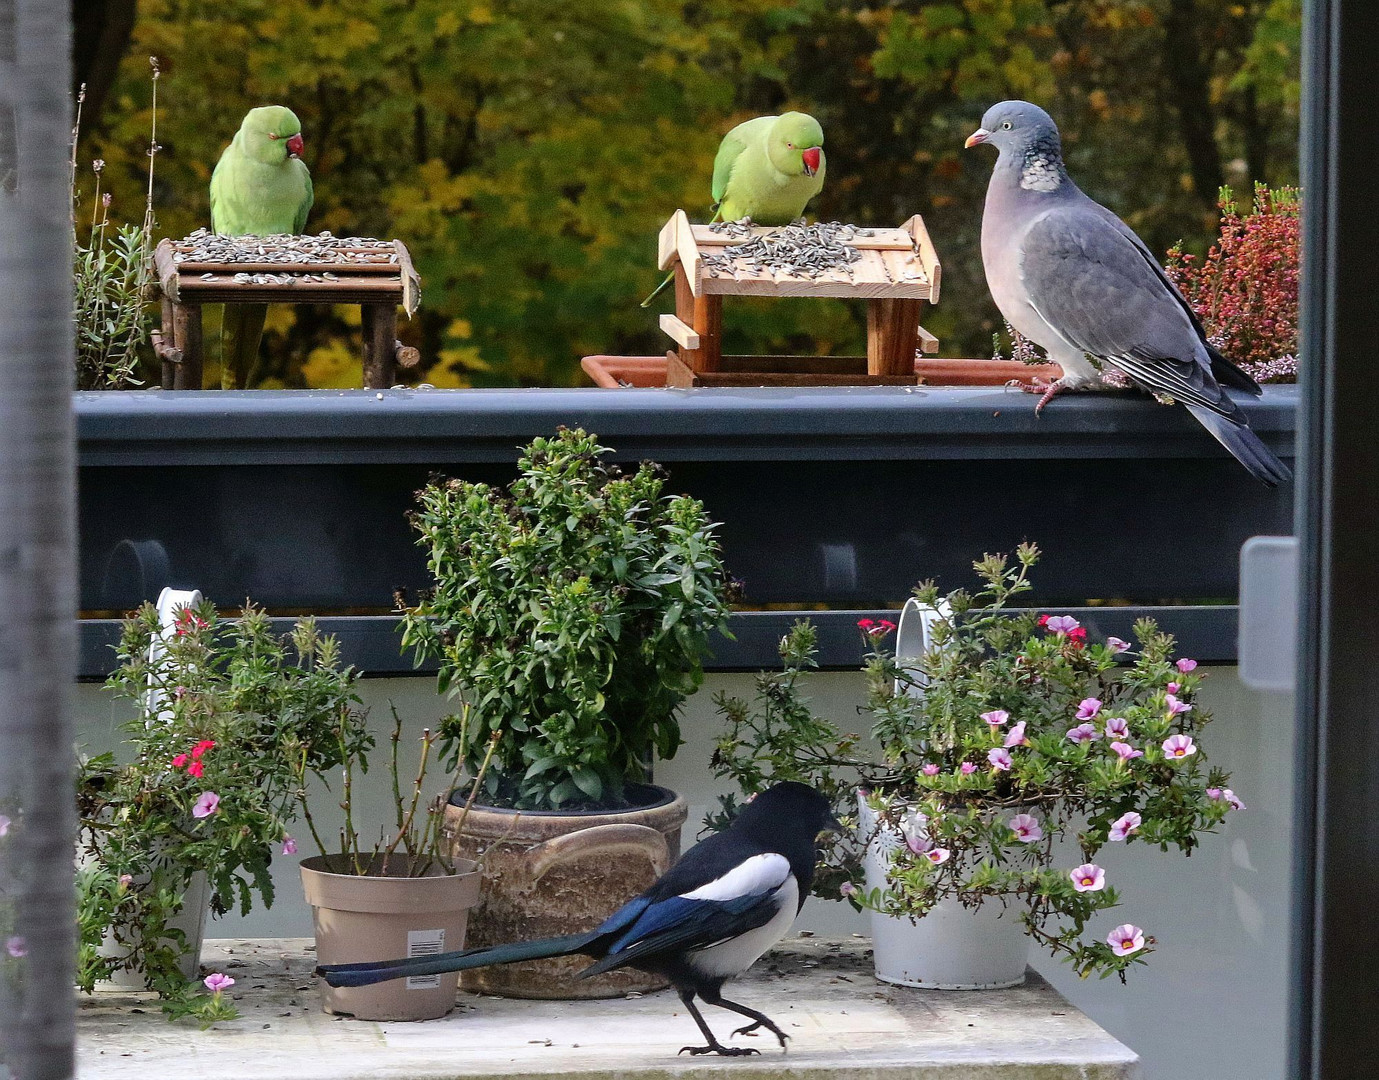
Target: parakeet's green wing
(731, 147)
(299, 222)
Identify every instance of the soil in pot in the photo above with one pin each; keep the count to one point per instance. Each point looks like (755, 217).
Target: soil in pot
(548, 873)
(377, 916)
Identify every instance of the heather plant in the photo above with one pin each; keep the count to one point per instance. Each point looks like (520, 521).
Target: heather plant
(1245, 290)
(571, 614)
(1013, 741)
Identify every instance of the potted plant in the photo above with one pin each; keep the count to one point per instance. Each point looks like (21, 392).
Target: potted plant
(1012, 751)
(571, 614)
(400, 897)
(227, 718)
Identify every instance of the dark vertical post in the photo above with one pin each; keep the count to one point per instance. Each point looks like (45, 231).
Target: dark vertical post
(191, 344)
(37, 543)
(1336, 962)
(169, 341)
(379, 323)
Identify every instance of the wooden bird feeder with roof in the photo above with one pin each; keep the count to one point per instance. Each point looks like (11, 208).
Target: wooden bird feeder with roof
(205, 268)
(896, 271)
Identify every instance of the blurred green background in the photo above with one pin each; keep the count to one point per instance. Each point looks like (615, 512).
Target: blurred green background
(527, 151)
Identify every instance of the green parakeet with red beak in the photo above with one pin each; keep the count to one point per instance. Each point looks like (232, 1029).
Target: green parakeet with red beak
(260, 187)
(767, 169)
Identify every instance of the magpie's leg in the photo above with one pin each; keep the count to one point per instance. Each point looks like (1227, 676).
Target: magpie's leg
(759, 1019)
(714, 1046)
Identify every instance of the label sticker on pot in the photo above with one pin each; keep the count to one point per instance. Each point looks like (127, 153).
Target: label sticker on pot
(424, 943)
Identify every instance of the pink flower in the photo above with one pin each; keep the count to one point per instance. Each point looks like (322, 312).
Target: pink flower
(865, 625)
(914, 827)
(289, 846)
(847, 889)
(5, 824)
(206, 805)
(1124, 825)
(1185, 665)
(1173, 688)
(996, 717)
(16, 947)
(999, 758)
(1176, 707)
(216, 982)
(1083, 733)
(1125, 939)
(930, 769)
(1088, 878)
(200, 748)
(938, 856)
(1231, 798)
(196, 769)
(1026, 828)
(884, 627)
(1118, 728)
(179, 761)
(1179, 746)
(1062, 624)
(967, 768)
(179, 692)
(1088, 708)
(1016, 736)
(1116, 645)
(1125, 751)
(126, 880)
(1043, 620)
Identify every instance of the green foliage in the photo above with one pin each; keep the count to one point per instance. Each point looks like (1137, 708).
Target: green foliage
(572, 613)
(224, 708)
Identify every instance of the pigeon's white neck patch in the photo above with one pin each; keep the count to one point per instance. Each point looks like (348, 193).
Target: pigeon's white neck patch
(1041, 173)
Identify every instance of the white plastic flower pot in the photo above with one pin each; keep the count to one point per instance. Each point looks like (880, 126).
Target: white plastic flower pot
(952, 947)
(914, 636)
(191, 920)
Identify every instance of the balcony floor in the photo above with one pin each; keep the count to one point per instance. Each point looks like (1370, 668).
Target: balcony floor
(842, 1022)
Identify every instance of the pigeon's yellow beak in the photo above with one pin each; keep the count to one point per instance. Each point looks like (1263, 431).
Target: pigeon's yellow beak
(978, 136)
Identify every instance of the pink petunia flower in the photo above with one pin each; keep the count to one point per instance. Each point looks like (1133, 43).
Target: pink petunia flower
(914, 827)
(938, 856)
(865, 625)
(1124, 825)
(1176, 707)
(1088, 878)
(1185, 665)
(1118, 728)
(1173, 688)
(1026, 828)
(967, 768)
(1179, 746)
(206, 805)
(16, 946)
(1125, 939)
(179, 761)
(1043, 620)
(1125, 751)
(1116, 645)
(200, 748)
(847, 889)
(930, 769)
(1088, 708)
(196, 769)
(999, 758)
(996, 717)
(1213, 793)
(1231, 798)
(1083, 733)
(1016, 736)
(126, 880)
(216, 982)
(289, 846)
(1061, 624)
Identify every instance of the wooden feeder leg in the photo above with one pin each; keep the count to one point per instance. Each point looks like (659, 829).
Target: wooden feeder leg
(703, 314)
(380, 345)
(892, 332)
(169, 342)
(187, 323)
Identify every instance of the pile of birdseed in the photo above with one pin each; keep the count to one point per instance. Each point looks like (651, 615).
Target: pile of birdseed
(798, 249)
(323, 248)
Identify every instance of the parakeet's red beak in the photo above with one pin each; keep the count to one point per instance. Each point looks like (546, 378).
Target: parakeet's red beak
(295, 146)
(978, 136)
(811, 160)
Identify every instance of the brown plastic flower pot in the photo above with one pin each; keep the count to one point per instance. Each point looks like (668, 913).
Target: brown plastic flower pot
(623, 372)
(548, 873)
(373, 916)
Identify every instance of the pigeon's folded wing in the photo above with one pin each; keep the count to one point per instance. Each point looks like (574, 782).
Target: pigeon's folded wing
(1094, 286)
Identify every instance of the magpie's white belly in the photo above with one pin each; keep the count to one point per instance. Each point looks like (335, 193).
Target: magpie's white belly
(736, 955)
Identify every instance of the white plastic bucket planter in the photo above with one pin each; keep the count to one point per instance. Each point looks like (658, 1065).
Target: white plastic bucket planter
(191, 920)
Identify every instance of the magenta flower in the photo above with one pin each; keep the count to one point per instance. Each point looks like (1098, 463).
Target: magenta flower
(216, 982)
(1185, 665)
(289, 846)
(1088, 708)
(1083, 733)
(1062, 624)
(999, 758)
(1016, 736)
(1231, 798)
(1173, 688)
(1213, 793)
(914, 827)
(847, 889)
(126, 880)
(1088, 878)
(996, 717)
(1115, 644)
(1124, 825)
(16, 947)
(967, 768)
(1118, 728)
(1176, 707)
(930, 769)
(938, 856)
(1179, 746)
(1125, 751)
(206, 805)
(1125, 939)
(1026, 828)
(5, 824)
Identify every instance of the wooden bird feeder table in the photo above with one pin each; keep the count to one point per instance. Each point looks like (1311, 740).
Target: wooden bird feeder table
(207, 269)
(896, 271)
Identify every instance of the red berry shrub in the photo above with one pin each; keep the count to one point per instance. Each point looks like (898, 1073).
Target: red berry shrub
(1245, 290)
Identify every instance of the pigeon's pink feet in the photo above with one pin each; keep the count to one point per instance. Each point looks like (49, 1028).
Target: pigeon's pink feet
(1048, 390)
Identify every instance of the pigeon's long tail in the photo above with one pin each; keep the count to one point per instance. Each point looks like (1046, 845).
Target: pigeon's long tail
(463, 960)
(1236, 436)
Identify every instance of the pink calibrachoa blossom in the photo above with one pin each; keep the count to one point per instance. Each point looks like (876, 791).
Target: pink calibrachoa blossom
(5, 824)
(1179, 746)
(1088, 878)
(179, 761)
(1173, 688)
(196, 769)
(996, 717)
(126, 880)
(206, 805)
(1088, 708)
(1118, 728)
(200, 748)
(999, 758)
(1083, 733)
(930, 769)
(967, 768)
(1185, 665)
(1176, 707)
(1231, 798)
(1125, 939)
(1016, 736)
(1026, 828)
(216, 982)
(1117, 645)
(16, 947)
(1125, 751)
(847, 889)
(1124, 825)
(1213, 793)
(938, 856)
(914, 827)
(289, 846)
(1062, 624)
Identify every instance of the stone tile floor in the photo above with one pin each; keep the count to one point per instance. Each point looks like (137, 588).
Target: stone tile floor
(842, 1022)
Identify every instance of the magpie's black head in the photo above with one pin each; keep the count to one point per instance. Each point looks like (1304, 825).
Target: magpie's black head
(793, 807)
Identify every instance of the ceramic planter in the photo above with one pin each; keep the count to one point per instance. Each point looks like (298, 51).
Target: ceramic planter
(377, 916)
(548, 873)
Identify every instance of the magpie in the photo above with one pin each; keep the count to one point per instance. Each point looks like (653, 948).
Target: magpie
(707, 919)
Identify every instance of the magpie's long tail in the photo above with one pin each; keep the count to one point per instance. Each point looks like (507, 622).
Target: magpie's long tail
(463, 960)
(1234, 434)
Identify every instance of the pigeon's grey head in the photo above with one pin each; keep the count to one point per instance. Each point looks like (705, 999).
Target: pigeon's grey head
(1018, 127)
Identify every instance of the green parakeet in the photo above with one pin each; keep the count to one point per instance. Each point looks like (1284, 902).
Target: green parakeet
(767, 169)
(260, 187)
